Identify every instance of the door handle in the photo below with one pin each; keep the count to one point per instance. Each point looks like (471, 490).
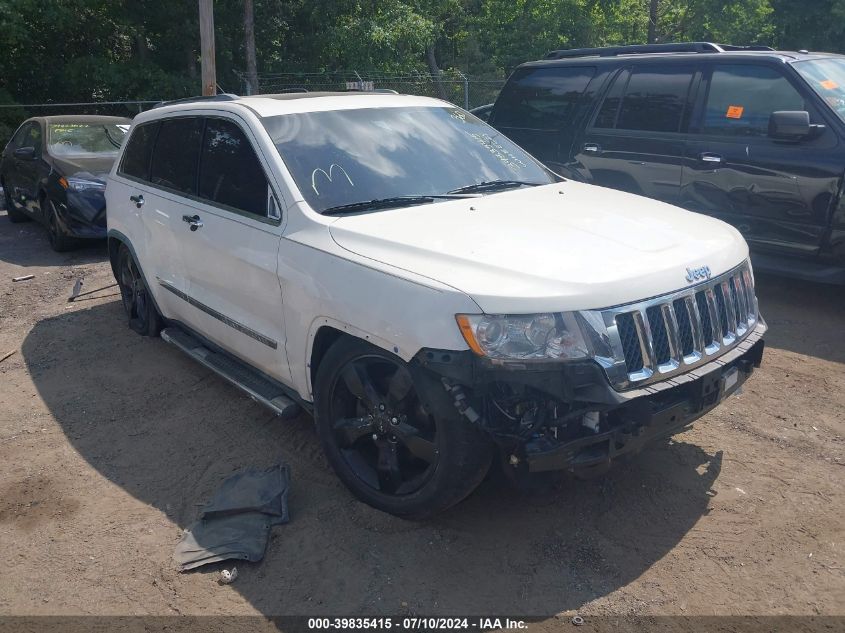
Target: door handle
(707, 157)
(138, 200)
(193, 220)
(593, 148)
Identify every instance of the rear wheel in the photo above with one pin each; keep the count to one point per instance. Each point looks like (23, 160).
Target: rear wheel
(59, 240)
(137, 302)
(12, 210)
(396, 450)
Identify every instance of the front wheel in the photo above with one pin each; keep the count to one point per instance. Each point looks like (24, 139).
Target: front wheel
(137, 302)
(59, 240)
(393, 435)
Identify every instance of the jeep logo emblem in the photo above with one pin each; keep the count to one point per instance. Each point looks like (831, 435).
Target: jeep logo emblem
(697, 274)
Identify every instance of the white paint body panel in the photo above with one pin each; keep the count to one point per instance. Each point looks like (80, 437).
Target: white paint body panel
(398, 277)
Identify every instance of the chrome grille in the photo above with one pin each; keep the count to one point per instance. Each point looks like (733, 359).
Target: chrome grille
(655, 339)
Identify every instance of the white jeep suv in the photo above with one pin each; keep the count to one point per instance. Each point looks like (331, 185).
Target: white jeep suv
(431, 293)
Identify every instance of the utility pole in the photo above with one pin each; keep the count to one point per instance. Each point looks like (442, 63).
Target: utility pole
(249, 45)
(209, 69)
(652, 22)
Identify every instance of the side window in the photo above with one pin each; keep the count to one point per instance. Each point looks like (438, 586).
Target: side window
(606, 118)
(742, 97)
(655, 99)
(176, 154)
(33, 137)
(542, 98)
(230, 173)
(19, 140)
(139, 151)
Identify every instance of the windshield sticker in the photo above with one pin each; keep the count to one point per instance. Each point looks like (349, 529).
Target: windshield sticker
(511, 161)
(329, 175)
(829, 84)
(735, 112)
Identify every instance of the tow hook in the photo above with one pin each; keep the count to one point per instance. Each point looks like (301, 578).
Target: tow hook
(461, 402)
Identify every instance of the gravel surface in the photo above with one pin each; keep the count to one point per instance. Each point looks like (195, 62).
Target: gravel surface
(110, 442)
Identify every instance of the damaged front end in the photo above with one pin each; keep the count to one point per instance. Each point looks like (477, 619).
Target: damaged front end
(569, 417)
(605, 382)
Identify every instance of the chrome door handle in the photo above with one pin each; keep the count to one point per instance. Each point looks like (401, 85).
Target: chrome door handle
(707, 157)
(193, 220)
(138, 200)
(593, 148)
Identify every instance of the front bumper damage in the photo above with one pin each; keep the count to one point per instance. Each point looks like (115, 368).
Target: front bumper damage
(568, 417)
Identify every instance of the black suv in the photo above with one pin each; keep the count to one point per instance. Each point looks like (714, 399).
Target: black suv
(750, 135)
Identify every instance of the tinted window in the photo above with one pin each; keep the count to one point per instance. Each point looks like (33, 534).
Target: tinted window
(230, 173)
(28, 136)
(606, 117)
(20, 137)
(741, 100)
(655, 99)
(176, 154)
(541, 98)
(342, 157)
(139, 150)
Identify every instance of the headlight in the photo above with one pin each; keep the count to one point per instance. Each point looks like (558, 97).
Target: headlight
(528, 337)
(82, 184)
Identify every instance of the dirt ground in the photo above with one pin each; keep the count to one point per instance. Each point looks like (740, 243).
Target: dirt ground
(110, 442)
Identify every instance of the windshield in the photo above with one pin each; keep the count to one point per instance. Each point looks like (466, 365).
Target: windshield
(85, 139)
(826, 77)
(342, 157)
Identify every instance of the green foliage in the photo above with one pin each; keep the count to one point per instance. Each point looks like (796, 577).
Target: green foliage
(91, 50)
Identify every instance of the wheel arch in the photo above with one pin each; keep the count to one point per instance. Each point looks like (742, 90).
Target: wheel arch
(325, 332)
(114, 240)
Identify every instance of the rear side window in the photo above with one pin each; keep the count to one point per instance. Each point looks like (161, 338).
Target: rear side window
(230, 173)
(542, 98)
(655, 100)
(139, 151)
(742, 97)
(176, 154)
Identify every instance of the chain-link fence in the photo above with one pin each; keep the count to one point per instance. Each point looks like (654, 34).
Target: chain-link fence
(454, 86)
(467, 92)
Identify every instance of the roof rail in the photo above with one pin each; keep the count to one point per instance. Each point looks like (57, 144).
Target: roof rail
(223, 96)
(645, 49)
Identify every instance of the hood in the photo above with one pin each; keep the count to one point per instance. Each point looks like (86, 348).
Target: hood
(567, 246)
(97, 167)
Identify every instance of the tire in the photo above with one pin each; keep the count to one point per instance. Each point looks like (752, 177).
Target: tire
(137, 301)
(396, 451)
(59, 241)
(15, 216)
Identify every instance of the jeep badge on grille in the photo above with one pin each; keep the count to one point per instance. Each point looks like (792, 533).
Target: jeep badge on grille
(697, 274)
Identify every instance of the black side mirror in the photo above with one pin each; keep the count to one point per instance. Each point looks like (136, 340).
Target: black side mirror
(25, 153)
(790, 126)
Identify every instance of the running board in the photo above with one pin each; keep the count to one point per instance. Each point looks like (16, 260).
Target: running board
(257, 386)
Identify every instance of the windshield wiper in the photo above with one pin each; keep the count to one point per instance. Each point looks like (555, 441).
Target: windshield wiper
(386, 203)
(495, 185)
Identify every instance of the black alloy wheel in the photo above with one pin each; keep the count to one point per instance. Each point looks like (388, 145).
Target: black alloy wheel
(137, 303)
(384, 434)
(397, 451)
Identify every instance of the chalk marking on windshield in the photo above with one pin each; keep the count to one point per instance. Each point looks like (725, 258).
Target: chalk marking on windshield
(328, 175)
(507, 158)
